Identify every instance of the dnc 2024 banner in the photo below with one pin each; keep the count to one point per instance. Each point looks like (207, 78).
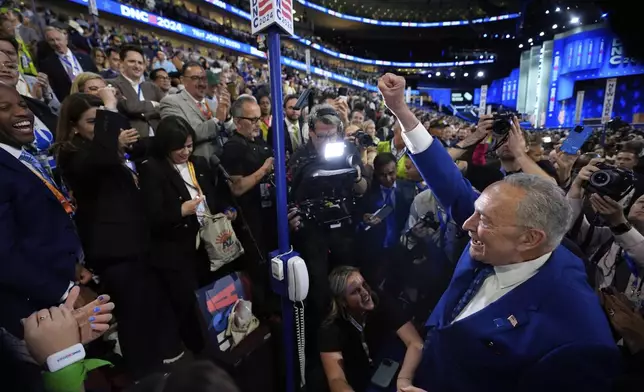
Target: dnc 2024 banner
(592, 53)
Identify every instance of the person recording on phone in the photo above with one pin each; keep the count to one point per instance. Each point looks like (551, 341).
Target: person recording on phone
(514, 285)
(351, 337)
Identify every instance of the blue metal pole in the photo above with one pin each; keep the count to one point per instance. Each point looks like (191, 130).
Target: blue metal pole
(288, 317)
(275, 67)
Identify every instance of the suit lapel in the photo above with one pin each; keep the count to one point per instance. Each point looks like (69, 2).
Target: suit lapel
(191, 104)
(177, 181)
(14, 164)
(126, 88)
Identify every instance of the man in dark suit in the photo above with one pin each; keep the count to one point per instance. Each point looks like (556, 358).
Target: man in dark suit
(519, 314)
(296, 131)
(38, 242)
(64, 65)
(139, 98)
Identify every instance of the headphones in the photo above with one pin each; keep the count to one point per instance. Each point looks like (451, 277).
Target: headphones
(326, 112)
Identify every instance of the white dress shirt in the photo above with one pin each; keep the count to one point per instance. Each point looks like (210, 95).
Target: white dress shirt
(136, 85)
(182, 168)
(72, 62)
(294, 132)
(505, 279)
(418, 139)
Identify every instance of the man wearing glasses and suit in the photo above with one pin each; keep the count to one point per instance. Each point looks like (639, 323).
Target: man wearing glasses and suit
(192, 105)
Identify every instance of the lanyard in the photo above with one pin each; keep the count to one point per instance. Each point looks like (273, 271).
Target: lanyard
(193, 176)
(72, 69)
(365, 347)
(67, 205)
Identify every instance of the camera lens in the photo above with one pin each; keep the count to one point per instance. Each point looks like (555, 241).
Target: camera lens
(600, 179)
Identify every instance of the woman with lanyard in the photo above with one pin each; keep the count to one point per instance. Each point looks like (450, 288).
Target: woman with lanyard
(91, 145)
(179, 188)
(358, 325)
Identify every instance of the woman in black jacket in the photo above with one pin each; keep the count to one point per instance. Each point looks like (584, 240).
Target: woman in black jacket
(179, 188)
(90, 149)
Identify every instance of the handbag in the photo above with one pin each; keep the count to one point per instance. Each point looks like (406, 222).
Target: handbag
(219, 239)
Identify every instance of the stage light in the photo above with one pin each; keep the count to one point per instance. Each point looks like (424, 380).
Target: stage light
(574, 20)
(484, 35)
(520, 46)
(452, 74)
(480, 74)
(466, 74)
(557, 9)
(496, 36)
(547, 12)
(481, 57)
(438, 73)
(507, 36)
(554, 26)
(492, 57)
(429, 75)
(604, 15)
(530, 40)
(541, 34)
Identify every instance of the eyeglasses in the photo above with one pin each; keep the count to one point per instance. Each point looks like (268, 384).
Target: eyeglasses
(196, 78)
(11, 67)
(253, 120)
(293, 108)
(330, 136)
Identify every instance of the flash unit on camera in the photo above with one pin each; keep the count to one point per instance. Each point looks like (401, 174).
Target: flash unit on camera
(334, 150)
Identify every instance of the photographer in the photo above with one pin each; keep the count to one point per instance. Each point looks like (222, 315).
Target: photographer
(618, 262)
(323, 244)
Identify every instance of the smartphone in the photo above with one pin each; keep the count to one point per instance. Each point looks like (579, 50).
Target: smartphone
(383, 212)
(385, 373)
(343, 92)
(576, 139)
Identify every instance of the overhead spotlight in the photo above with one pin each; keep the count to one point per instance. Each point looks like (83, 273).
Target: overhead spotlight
(438, 73)
(554, 26)
(530, 40)
(452, 74)
(531, 43)
(480, 74)
(496, 36)
(429, 75)
(567, 8)
(541, 34)
(484, 35)
(466, 74)
(557, 9)
(492, 57)
(547, 12)
(604, 15)
(508, 36)
(574, 20)
(481, 57)
(520, 46)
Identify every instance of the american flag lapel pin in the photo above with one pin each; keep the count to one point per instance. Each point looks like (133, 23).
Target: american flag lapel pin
(513, 320)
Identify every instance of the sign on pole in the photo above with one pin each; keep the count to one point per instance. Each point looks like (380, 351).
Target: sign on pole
(609, 99)
(93, 9)
(488, 109)
(307, 53)
(408, 95)
(483, 102)
(579, 106)
(265, 13)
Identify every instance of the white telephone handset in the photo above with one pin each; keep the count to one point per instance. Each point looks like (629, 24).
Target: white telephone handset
(298, 279)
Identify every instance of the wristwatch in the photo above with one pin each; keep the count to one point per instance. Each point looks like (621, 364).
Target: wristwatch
(620, 229)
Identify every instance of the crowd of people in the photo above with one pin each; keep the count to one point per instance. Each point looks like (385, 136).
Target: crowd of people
(483, 255)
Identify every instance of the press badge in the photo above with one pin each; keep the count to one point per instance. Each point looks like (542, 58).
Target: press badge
(265, 193)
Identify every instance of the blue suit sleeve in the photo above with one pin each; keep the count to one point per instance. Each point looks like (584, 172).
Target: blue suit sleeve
(589, 368)
(453, 191)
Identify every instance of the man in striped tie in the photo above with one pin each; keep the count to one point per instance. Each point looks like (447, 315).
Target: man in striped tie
(38, 242)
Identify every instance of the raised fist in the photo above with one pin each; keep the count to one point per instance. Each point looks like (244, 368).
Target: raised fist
(392, 88)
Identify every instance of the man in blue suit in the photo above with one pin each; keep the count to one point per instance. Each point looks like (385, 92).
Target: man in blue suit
(38, 243)
(518, 314)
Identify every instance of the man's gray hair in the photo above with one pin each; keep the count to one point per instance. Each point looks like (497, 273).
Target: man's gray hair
(237, 109)
(326, 118)
(544, 207)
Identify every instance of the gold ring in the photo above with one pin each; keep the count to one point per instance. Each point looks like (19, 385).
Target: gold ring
(41, 318)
